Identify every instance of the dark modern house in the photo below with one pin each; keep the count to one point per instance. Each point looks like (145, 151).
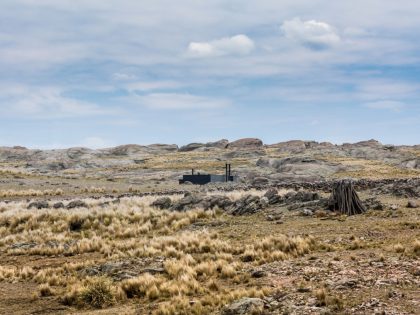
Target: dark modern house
(202, 179)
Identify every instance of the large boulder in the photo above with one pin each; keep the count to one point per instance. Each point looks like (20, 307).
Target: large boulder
(260, 181)
(163, 147)
(77, 152)
(273, 196)
(210, 202)
(413, 164)
(292, 146)
(162, 203)
(368, 143)
(77, 204)
(38, 205)
(189, 201)
(412, 204)
(245, 306)
(248, 204)
(303, 167)
(191, 147)
(127, 149)
(221, 144)
(246, 143)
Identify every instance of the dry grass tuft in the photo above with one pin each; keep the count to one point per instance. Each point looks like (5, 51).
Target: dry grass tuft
(97, 293)
(399, 248)
(416, 247)
(324, 298)
(45, 290)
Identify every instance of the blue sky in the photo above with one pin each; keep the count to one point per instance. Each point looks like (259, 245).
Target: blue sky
(100, 73)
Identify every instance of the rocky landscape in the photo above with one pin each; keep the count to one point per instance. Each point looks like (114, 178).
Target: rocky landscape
(111, 231)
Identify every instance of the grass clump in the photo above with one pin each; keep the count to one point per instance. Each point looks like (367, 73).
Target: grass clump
(399, 248)
(97, 293)
(45, 290)
(323, 298)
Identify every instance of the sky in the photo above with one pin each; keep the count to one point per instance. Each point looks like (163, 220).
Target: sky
(100, 73)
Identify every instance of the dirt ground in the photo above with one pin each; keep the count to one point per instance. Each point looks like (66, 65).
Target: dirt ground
(364, 264)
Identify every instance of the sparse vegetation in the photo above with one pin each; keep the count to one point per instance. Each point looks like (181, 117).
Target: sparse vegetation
(92, 241)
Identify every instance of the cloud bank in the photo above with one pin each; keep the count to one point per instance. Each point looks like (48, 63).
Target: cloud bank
(235, 45)
(313, 34)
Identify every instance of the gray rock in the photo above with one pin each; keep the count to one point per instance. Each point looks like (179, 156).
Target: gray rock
(258, 274)
(346, 283)
(163, 147)
(300, 197)
(373, 204)
(38, 205)
(273, 196)
(307, 212)
(58, 205)
(248, 204)
(246, 143)
(244, 306)
(300, 167)
(221, 144)
(77, 204)
(293, 146)
(260, 181)
(191, 147)
(26, 245)
(264, 202)
(189, 201)
(162, 203)
(412, 204)
(127, 149)
(210, 202)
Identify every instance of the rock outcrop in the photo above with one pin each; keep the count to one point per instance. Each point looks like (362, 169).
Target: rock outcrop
(162, 203)
(246, 143)
(303, 167)
(245, 306)
(191, 147)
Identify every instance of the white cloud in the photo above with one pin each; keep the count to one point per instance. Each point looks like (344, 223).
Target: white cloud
(118, 76)
(152, 85)
(313, 34)
(180, 101)
(236, 45)
(46, 102)
(387, 105)
(372, 90)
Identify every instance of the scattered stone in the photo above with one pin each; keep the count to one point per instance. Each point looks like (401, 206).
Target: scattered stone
(245, 306)
(393, 207)
(307, 212)
(247, 205)
(260, 181)
(303, 290)
(38, 205)
(373, 204)
(162, 203)
(258, 274)
(210, 202)
(246, 143)
(412, 204)
(188, 202)
(77, 204)
(273, 196)
(58, 205)
(346, 284)
(191, 147)
(26, 245)
(221, 144)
